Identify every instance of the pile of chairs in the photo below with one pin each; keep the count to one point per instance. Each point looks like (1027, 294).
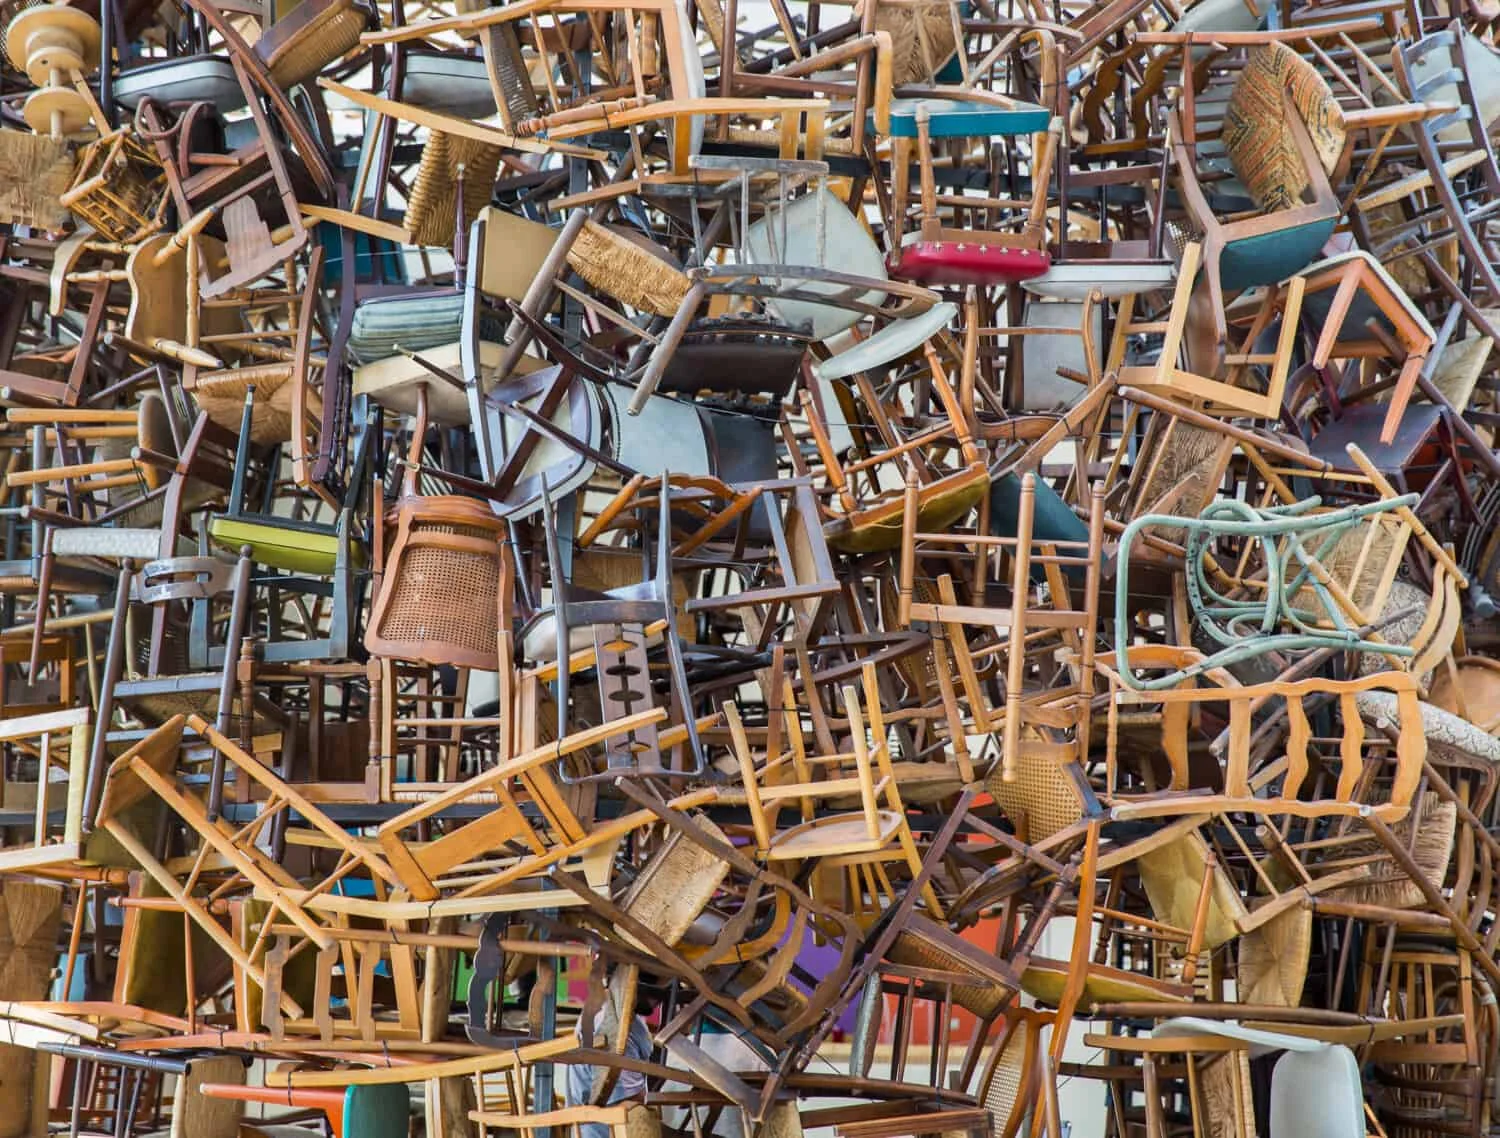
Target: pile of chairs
(901, 568)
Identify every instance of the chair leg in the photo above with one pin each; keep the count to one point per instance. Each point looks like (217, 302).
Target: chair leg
(114, 664)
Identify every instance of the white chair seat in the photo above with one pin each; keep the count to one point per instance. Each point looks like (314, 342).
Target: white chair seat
(896, 339)
(111, 541)
(1076, 280)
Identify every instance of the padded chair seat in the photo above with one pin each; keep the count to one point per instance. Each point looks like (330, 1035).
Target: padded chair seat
(415, 321)
(1075, 280)
(1268, 258)
(736, 356)
(1053, 519)
(454, 84)
(1318, 304)
(191, 79)
(1442, 728)
(280, 547)
(1046, 981)
(119, 542)
(958, 118)
(965, 263)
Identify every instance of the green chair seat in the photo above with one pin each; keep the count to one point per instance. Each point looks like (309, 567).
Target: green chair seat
(280, 547)
(1268, 258)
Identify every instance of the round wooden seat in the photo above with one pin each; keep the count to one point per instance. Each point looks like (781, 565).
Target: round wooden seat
(841, 834)
(52, 43)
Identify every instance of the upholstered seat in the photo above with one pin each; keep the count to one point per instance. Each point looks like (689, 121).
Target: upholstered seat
(1450, 737)
(281, 547)
(113, 542)
(415, 321)
(965, 263)
(954, 118)
(187, 79)
(1318, 304)
(1074, 281)
(453, 84)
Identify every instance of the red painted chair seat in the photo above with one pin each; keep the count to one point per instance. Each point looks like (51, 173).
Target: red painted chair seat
(965, 263)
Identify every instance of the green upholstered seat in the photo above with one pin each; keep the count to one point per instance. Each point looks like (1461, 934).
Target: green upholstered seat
(281, 547)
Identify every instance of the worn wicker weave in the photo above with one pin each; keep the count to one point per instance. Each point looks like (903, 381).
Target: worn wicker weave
(984, 1000)
(1041, 800)
(631, 273)
(221, 396)
(1273, 960)
(1006, 1087)
(922, 35)
(332, 31)
(676, 885)
(431, 213)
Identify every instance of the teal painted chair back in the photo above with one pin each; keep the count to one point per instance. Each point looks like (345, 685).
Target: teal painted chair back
(1053, 519)
(379, 1111)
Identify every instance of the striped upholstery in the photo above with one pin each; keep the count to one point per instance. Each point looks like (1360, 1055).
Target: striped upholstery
(1260, 147)
(414, 321)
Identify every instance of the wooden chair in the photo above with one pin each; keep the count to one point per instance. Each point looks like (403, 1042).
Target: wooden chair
(1064, 547)
(1266, 139)
(863, 516)
(988, 251)
(839, 841)
(276, 358)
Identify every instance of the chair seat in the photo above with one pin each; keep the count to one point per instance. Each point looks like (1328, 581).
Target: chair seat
(1047, 980)
(191, 79)
(1458, 738)
(1364, 309)
(291, 550)
(896, 339)
(957, 118)
(736, 356)
(1112, 280)
(415, 321)
(1266, 258)
(539, 638)
(114, 542)
(393, 382)
(789, 237)
(829, 837)
(1361, 424)
(965, 263)
(454, 84)
(940, 504)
